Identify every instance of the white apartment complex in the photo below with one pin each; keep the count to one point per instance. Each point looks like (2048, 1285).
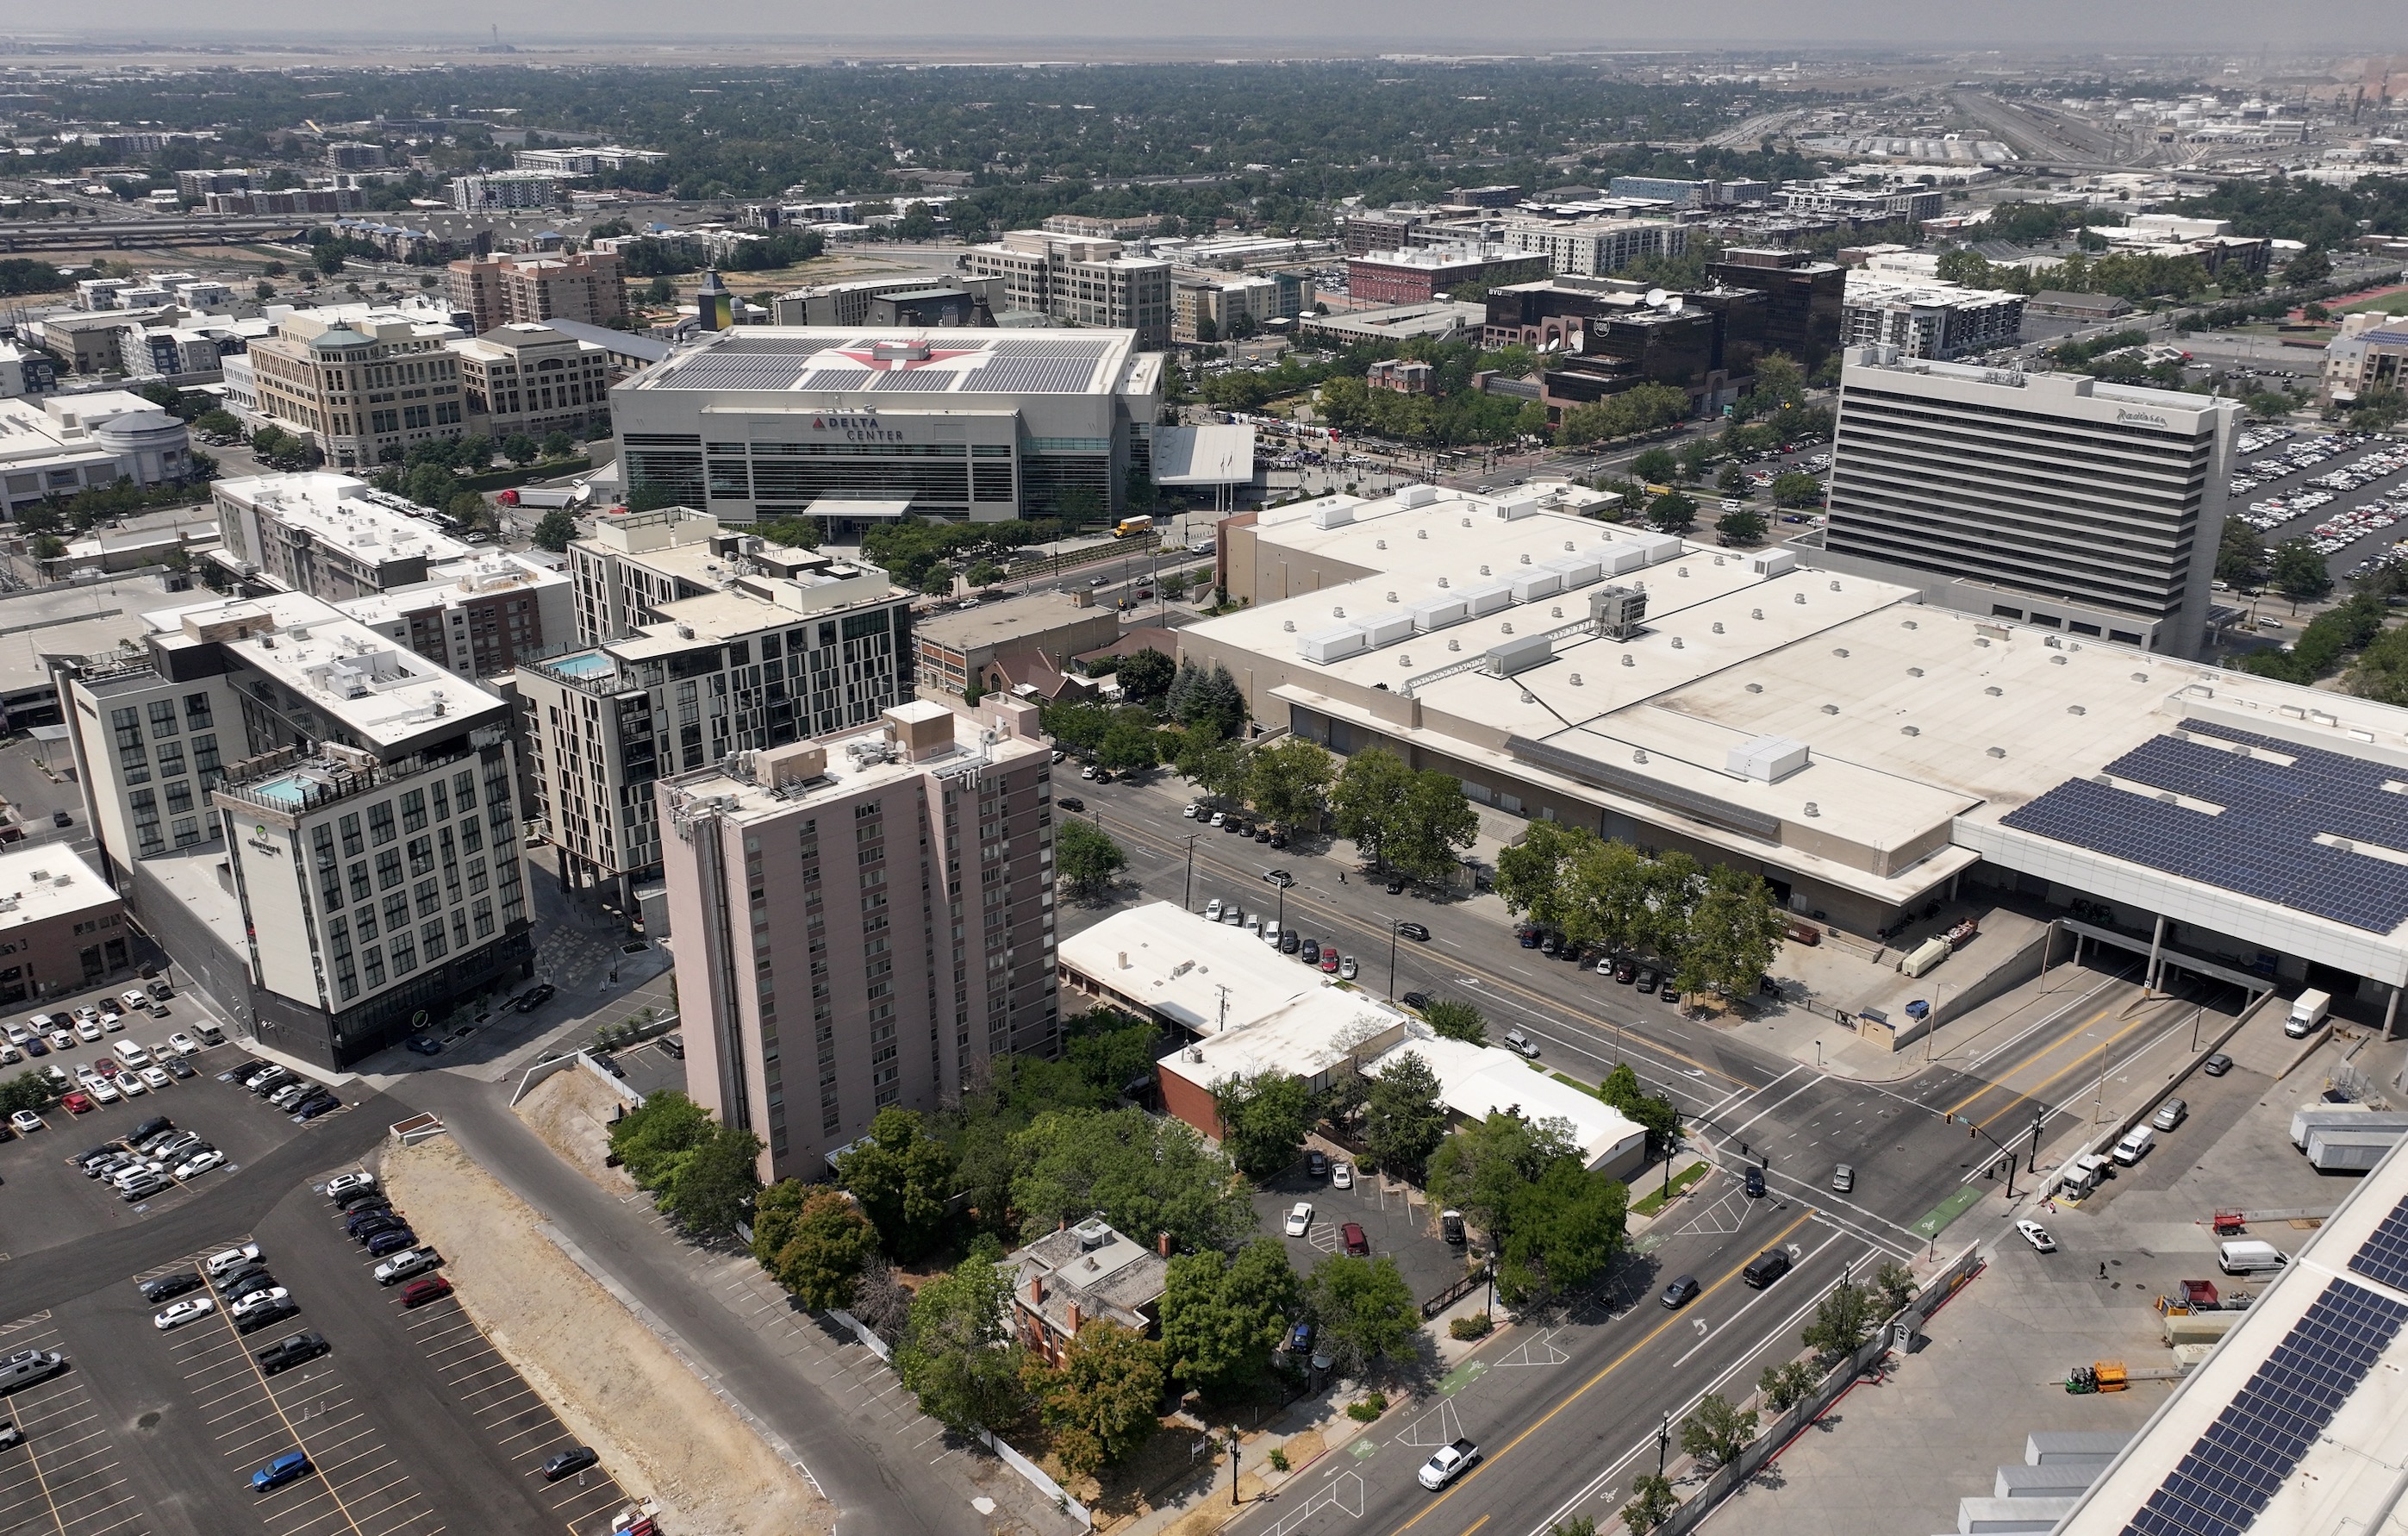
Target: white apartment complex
(1592, 248)
(1079, 281)
(1935, 320)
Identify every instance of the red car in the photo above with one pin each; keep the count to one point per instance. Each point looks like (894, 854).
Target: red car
(1329, 961)
(1356, 1242)
(419, 1292)
(75, 1101)
(108, 1067)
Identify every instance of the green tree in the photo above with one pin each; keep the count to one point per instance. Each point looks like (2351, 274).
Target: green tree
(1145, 1175)
(328, 258)
(27, 1090)
(1533, 874)
(1695, 455)
(1844, 1320)
(1741, 526)
(2300, 572)
(1077, 724)
(1716, 1431)
(520, 448)
(1566, 1227)
(50, 546)
(1795, 489)
(1482, 1167)
(1659, 1116)
(649, 1140)
(1455, 1020)
(711, 1188)
(1734, 930)
(1102, 1401)
(1897, 1284)
(1430, 828)
(217, 423)
(1672, 512)
(555, 529)
(822, 1258)
(1365, 1309)
(1224, 1318)
(1220, 765)
(558, 445)
(1128, 745)
(1263, 1119)
(2239, 555)
(775, 1211)
(1651, 1504)
(902, 1176)
(1370, 793)
(1289, 782)
(958, 1356)
(1145, 675)
(1655, 466)
(1403, 1122)
(1784, 1385)
(1084, 859)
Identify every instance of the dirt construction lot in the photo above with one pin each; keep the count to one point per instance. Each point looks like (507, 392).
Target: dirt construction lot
(615, 1384)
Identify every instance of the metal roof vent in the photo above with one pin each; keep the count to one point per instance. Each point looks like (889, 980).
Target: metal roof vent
(1800, 599)
(1814, 809)
(1287, 626)
(1835, 586)
(1454, 645)
(1379, 543)
(1683, 571)
(1525, 557)
(1337, 614)
(2057, 661)
(1756, 614)
(1909, 730)
(1467, 523)
(1914, 671)
(1756, 687)
(2140, 677)
(1441, 580)
(1403, 660)
(1908, 624)
(1982, 640)
(1556, 611)
(1530, 697)
(1638, 757)
(1421, 533)
(2076, 709)
(1841, 652)
(1630, 660)
(1484, 570)
(1676, 643)
(1995, 690)
(1719, 560)
(1576, 683)
(1830, 709)
(1568, 546)
(1998, 751)
(1718, 626)
(1505, 629)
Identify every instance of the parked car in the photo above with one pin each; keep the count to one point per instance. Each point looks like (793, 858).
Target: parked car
(177, 1314)
(2037, 1235)
(169, 1287)
(1351, 1234)
(1212, 911)
(245, 1284)
(200, 1162)
(390, 1241)
(1341, 1175)
(1299, 1219)
(1309, 951)
(2170, 1114)
(177, 1070)
(1316, 1163)
(25, 1122)
(1416, 1001)
(423, 1045)
(569, 1462)
(75, 1101)
(286, 1353)
(1071, 802)
(343, 1185)
(2216, 1065)
(406, 1265)
(1645, 979)
(1347, 968)
(533, 997)
(226, 1263)
(283, 1469)
(419, 1292)
(143, 1188)
(265, 1299)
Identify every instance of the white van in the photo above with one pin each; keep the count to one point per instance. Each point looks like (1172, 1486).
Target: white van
(2135, 1145)
(2248, 1257)
(2308, 1010)
(131, 1052)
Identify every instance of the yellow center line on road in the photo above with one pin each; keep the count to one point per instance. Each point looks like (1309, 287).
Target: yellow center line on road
(1475, 1525)
(2069, 1037)
(1490, 977)
(1609, 1368)
(2029, 1096)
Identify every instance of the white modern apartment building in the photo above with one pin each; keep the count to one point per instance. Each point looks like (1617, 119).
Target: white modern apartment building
(581, 159)
(1935, 320)
(320, 825)
(327, 534)
(1079, 281)
(60, 444)
(505, 190)
(1592, 248)
(694, 642)
(2052, 500)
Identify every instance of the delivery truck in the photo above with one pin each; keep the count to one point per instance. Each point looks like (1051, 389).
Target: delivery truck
(2308, 1010)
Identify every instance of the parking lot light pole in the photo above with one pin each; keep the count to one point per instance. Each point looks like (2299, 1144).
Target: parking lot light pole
(1392, 957)
(1187, 897)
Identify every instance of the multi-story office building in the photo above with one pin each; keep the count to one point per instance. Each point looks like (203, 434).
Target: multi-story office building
(321, 828)
(25, 372)
(855, 424)
(505, 190)
(1803, 297)
(581, 159)
(1216, 305)
(291, 200)
(1689, 194)
(528, 378)
(360, 391)
(353, 156)
(166, 352)
(60, 444)
(1079, 281)
(2370, 354)
(2054, 499)
(1418, 275)
(864, 920)
(1592, 248)
(1928, 320)
(694, 643)
(495, 291)
(328, 536)
(1704, 342)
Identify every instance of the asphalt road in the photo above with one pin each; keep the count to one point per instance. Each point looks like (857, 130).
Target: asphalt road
(1567, 1411)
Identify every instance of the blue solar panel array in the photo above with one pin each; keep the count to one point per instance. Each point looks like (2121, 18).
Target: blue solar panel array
(2231, 1471)
(1033, 375)
(914, 379)
(2383, 1256)
(2262, 844)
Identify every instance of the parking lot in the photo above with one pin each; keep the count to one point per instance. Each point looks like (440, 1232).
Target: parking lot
(1393, 1229)
(2345, 491)
(412, 1423)
(50, 1200)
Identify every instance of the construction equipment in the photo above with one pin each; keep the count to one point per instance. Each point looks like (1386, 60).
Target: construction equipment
(2230, 1224)
(2098, 1376)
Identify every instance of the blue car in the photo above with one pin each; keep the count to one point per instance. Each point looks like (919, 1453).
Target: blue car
(425, 1045)
(283, 1469)
(1299, 1339)
(391, 1243)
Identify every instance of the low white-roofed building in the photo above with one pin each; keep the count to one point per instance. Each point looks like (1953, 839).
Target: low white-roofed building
(62, 928)
(1478, 1080)
(60, 444)
(330, 535)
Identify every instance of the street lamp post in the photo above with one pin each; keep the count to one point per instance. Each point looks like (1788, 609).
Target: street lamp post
(1187, 897)
(1392, 957)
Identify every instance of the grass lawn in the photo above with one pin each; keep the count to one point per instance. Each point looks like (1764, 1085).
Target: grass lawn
(1680, 1182)
(2392, 303)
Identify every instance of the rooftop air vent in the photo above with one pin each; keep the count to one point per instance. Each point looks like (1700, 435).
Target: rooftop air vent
(1908, 624)
(1914, 671)
(1719, 560)
(1630, 660)
(1718, 626)
(1756, 687)
(1682, 572)
(1814, 809)
(1799, 599)
(1505, 629)
(1676, 643)
(2140, 677)
(1841, 652)
(1982, 640)
(2076, 709)
(1638, 757)
(1421, 533)
(1830, 709)
(1556, 611)
(1287, 626)
(1909, 730)
(1381, 543)
(1530, 697)
(1403, 660)
(1392, 597)
(1835, 586)
(2057, 661)
(1484, 570)
(1337, 614)
(1998, 751)
(1995, 690)
(1756, 614)
(1525, 557)
(1441, 580)
(1568, 546)
(1454, 645)
(1576, 681)
(1467, 523)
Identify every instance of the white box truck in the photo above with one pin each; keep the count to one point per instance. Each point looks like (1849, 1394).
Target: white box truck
(2310, 1118)
(2308, 1010)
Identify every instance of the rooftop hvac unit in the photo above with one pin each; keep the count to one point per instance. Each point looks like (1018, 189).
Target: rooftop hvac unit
(1578, 571)
(1331, 644)
(1416, 496)
(1766, 759)
(1387, 629)
(1333, 517)
(1437, 612)
(1519, 655)
(1773, 562)
(1514, 508)
(1488, 597)
(1617, 611)
(1538, 585)
(1659, 547)
(1622, 559)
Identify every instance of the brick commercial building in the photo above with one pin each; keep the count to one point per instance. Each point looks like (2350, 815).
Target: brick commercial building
(974, 642)
(495, 291)
(62, 928)
(863, 921)
(1420, 274)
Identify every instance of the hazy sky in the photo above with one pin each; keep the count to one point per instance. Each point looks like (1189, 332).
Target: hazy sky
(1254, 27)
